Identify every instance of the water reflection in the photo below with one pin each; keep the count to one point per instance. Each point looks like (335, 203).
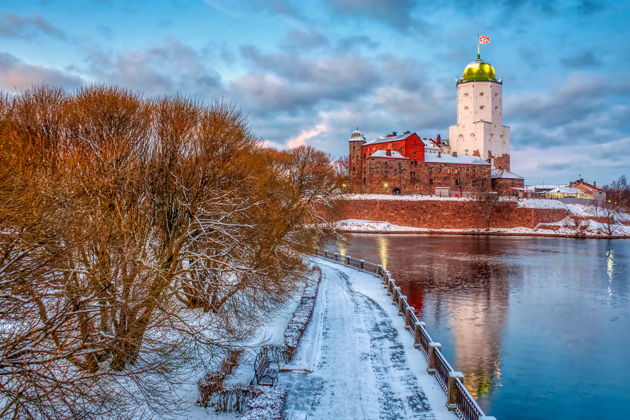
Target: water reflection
(531, 322)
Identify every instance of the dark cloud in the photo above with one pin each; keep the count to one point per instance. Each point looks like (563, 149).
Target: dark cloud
(396, 13)
(355, 42)
(343, 70)
(171, 67)
(588, 7)
(580, 111)
(15, 74)
(306, 39)
(584, 59)
(15, 26)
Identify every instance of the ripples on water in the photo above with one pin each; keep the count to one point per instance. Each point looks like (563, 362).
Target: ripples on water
(539, 326)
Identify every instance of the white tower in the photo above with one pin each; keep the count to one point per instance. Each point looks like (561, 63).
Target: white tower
(480, 130)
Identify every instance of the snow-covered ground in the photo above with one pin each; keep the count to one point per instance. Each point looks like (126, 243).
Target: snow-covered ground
(565, 227)
(391, 197)
(356, 361)
(271, 332)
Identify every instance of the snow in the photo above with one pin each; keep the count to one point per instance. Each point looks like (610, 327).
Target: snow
(387, 139)
(370, 226)
(540, 203)
(566, 226)
(268, 405)
(411, 197)
(460, 159)
(271, 332)
(502, 174)
(566, 190)
(383, 154)
(356, 360)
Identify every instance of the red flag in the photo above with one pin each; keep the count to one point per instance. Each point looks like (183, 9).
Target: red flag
(484, 39)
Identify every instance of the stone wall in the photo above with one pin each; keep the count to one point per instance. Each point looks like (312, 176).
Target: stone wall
(446, 214)
(382, 176)
(503, 186)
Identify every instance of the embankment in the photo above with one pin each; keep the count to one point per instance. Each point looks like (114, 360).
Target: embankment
(444, 214)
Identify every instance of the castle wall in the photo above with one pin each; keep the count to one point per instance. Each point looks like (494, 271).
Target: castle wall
(383, 175)
(503, 186)
(445, 214)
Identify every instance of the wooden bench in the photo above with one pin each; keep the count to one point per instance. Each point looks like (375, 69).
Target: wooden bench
(266, 366)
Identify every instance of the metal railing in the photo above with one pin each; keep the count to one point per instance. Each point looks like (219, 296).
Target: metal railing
(458, 399)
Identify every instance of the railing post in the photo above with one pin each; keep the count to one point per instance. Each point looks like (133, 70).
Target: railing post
(451, 393)
(347, 260)
(395, 293)
(433, 347)
(390, 286)
(361, 264)
(336, 256)
(401, 304)
(417, 333)
(408, 310)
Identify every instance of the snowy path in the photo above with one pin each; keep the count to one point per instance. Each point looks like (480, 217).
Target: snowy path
(362, 361)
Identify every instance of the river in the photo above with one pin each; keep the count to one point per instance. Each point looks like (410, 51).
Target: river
(540, 327)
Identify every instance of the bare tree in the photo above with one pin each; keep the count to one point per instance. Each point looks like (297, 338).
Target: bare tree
(119, 217)
(486, 205)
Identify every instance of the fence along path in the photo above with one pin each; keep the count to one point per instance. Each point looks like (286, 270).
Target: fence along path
(458, 399)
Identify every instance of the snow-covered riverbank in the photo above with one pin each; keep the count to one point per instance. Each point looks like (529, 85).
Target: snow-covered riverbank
(564, 228)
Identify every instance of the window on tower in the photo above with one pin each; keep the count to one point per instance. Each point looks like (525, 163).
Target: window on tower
(481, 107)
(480, 93)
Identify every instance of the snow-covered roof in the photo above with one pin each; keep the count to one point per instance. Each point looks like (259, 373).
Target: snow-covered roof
(566, 190)
(503, 174)
(459, 160)
(383, 154)
(386, 139)
(428, 144)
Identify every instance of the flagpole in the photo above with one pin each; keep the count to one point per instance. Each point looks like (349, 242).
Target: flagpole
(478, 48)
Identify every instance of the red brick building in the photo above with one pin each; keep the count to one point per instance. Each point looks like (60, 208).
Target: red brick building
(409, 164)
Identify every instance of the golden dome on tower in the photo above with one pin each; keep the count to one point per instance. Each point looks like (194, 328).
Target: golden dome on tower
(477, 71)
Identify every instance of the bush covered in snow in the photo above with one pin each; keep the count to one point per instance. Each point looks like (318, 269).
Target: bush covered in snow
(268, 405)
(213, 381)
(302, 315)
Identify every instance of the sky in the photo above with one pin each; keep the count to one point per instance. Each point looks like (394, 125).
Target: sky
(311, 71)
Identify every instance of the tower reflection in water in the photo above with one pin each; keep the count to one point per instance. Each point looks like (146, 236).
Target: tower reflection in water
(460, 289)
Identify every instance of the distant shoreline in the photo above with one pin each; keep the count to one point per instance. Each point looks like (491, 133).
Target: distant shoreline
(477, 233)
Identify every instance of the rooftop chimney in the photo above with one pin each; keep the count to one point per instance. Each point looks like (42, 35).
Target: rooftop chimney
(454, 154)
(388, 152)
(439, 139)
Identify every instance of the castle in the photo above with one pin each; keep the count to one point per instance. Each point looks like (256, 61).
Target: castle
(475, 159)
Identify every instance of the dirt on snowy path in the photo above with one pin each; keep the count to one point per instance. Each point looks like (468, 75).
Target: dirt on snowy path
(352, 363)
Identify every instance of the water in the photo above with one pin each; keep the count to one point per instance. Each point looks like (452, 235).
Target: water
(540, 327)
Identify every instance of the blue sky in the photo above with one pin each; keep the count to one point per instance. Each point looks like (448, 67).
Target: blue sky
(311, 71)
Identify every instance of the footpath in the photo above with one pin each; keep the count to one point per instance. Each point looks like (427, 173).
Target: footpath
(355, 360)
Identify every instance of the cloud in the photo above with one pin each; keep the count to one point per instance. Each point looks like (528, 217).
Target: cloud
(273, 86)
(300, 139)
(581, 110)
(584, 59)
(559, 164)
(276, 7)
(395, 13)
(356, 41)
(15, 74)
(307, 39)
(15, 26)
(167, 68)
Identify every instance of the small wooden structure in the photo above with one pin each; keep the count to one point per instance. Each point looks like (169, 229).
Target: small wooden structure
(267, 366)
